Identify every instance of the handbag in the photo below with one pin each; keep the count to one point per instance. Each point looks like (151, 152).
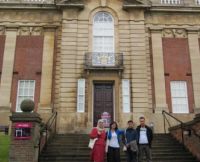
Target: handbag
(134, 146)
(92, 142)
(124, 148)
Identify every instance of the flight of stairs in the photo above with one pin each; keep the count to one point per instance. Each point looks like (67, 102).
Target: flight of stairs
(73, 148)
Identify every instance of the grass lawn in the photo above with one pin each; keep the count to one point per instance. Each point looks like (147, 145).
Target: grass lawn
(4, 147)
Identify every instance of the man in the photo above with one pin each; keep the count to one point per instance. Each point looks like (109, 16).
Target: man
(130, 142)
(145, 137)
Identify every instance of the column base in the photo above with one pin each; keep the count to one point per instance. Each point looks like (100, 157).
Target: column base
(160, 108)
(4, 115)
(197, 110)
(45, 113)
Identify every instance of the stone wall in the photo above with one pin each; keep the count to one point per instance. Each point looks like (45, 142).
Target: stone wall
(191, 135)
(138, 35)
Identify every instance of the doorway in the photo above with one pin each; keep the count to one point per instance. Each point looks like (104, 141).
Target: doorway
(103, 103)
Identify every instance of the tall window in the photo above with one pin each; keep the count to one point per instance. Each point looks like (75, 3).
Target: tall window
(26, 89)
(179, 97)
(126, 95)
(103, 32)
(81, 95)
(103, 39)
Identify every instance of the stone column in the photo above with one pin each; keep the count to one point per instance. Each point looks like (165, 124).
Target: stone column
(158, 70)
(68, 79)
(45, 106)
(139, 81)
(7, 69)
(7, 72)
(193, 41)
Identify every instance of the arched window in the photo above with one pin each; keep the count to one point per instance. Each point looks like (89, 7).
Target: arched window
(103, 33)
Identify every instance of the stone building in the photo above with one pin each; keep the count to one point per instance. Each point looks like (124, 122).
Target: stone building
(88, 59)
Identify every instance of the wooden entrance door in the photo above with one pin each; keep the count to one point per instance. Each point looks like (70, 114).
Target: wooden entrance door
(103, 103)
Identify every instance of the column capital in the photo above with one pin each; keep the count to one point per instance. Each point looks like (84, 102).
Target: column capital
(192, 30)
(2, 30)
(12, 28)
(50, 28)
(156, 29)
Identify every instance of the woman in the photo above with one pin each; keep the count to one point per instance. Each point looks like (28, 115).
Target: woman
(113, 136)
(98, 151)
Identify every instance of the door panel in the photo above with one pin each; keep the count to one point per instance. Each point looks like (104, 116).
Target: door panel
(103, 103)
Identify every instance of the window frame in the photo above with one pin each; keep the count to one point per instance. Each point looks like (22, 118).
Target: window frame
(104, 36)
(126, 86)
(79, 82)
(17, 109)
(184, 97)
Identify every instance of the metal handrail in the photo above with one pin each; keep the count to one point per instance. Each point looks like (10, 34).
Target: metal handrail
(181, 124)
(195, 133)
(165, 118)
(48, 127)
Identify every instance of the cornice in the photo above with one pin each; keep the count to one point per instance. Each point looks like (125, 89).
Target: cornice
(174, 8)
(129, 4)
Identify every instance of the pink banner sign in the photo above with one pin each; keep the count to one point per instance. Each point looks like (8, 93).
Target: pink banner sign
(23, 125)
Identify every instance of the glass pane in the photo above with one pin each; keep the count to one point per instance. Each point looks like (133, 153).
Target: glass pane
(26, 92)
(103, 33)
(21, 84)
(179, 97)
(31, 92)
(21, 92)
(81, 99)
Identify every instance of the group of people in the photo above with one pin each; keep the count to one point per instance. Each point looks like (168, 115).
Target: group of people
(136, 142)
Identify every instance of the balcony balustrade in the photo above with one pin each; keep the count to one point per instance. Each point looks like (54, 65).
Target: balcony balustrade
(27, 1)
(171, 1)
(101, 60)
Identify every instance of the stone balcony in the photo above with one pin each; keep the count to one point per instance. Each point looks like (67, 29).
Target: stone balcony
(103, 61)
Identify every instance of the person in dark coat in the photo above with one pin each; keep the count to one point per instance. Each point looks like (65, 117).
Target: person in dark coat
(130, 136)
(145, 137)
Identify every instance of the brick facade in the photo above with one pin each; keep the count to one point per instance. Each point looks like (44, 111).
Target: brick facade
(28, 65)
(177, 66)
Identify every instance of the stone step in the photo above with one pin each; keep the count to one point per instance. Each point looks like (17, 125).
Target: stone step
(73, 148)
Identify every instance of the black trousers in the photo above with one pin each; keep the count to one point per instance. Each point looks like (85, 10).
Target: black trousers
(131, 156)
(113, 154)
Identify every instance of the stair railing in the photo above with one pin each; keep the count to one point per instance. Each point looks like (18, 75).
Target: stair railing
(164, 113)
(48, 132)
(195, 133)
